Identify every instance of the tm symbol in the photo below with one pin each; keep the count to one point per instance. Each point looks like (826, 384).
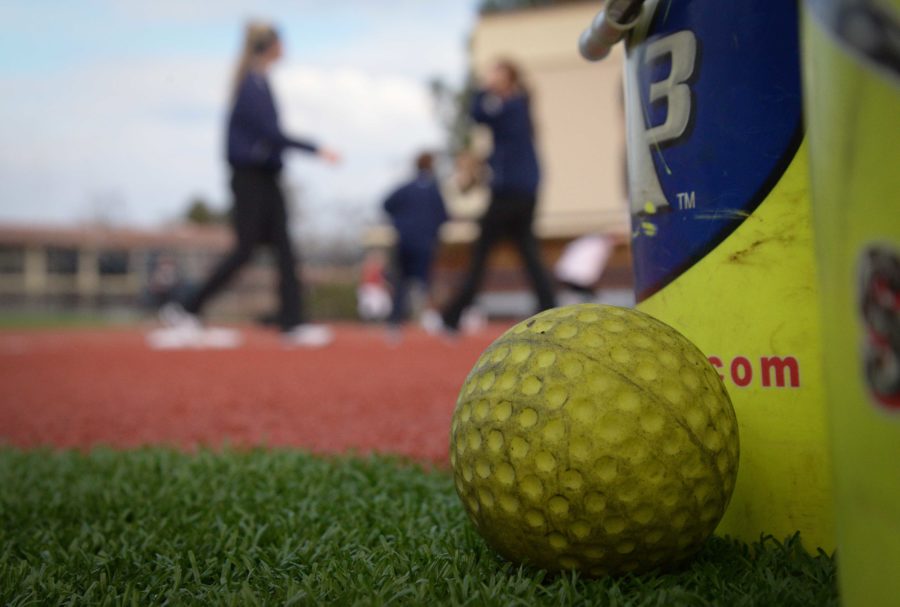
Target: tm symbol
(686, 200)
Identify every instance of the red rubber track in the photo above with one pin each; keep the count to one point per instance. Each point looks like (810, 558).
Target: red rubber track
(80, 388)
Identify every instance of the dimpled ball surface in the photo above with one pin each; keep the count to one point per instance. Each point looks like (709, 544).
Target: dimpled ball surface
(594, 438)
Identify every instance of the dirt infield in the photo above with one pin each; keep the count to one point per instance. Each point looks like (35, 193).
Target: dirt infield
(80, 388)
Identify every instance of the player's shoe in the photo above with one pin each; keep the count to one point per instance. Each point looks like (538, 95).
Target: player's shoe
(174, 316)
(308, 336)
(432, 322)
(181, 330)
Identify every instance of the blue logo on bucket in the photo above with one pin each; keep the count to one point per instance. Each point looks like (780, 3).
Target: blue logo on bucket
(714, 119)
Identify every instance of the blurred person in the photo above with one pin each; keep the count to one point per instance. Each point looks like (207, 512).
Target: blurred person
(417, 211)
(503, 106)
(255, 143)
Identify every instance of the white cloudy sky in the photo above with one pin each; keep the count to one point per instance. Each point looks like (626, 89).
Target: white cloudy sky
(116, 108)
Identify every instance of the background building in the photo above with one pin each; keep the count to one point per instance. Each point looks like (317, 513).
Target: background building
(96, 269)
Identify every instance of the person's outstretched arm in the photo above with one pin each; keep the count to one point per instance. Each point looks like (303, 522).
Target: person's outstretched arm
(255, 105)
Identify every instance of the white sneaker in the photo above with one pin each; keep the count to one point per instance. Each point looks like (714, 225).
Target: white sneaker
(181, 329)
(308, 336)
(193, 338)
(473, 320)
(431, 321)
(174, 316)
(220, 338)
(184, 330)
(174, 338)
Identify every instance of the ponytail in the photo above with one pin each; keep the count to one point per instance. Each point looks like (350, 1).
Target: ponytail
(258, 38)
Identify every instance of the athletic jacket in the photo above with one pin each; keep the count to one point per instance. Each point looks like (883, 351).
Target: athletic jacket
(255, 139)
(417, 211)
(513, 162)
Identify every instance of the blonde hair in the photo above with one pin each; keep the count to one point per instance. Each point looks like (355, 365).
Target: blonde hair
(259, 37)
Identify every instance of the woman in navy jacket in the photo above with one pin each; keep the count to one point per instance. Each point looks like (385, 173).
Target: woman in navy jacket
(255, 143)
(515, 176)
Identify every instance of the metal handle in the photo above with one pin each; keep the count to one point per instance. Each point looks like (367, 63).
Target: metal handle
(608, 27)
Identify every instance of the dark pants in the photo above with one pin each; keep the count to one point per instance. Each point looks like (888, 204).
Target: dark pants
(259, 217)
(508, 216)
(411, 263)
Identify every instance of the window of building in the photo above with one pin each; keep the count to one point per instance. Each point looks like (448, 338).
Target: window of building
(62, 260)
(12, 259)
(113, 262)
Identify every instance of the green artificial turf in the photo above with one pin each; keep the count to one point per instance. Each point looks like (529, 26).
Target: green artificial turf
(155, 527)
